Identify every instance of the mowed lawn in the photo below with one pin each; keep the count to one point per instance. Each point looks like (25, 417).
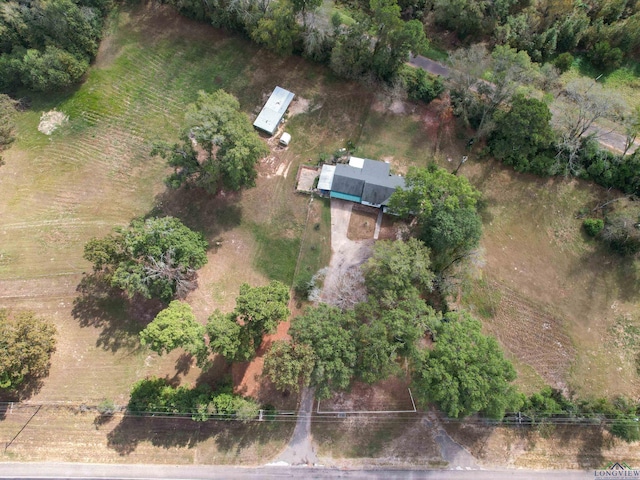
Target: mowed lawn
(95, 173)
(566, 311)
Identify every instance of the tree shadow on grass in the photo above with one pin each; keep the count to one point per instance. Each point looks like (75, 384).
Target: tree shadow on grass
(603, 268)
(230, 436)
(101, 306)
(200, 211)
(24, 391)
(593, 440)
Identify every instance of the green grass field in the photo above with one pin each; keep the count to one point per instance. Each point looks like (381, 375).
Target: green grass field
(95, 172)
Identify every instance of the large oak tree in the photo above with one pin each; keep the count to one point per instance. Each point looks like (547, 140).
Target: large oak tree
(219, 148)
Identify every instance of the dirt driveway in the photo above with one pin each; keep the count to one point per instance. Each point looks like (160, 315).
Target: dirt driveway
(343, 285)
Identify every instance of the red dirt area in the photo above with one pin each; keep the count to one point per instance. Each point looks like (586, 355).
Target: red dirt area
(248, 380)
(391, 394)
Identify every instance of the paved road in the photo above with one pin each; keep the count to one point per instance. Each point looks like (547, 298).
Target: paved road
(611, 140)
(300, 450)
(189, 472)
(429, 65)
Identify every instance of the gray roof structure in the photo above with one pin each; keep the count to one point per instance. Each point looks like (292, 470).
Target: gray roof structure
(372, 182)
(271, 114)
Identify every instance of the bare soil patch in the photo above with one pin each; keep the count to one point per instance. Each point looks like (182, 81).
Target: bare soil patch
(248, 379)
(362, 223)
(298, 106)
(390, 394)
(306, 178)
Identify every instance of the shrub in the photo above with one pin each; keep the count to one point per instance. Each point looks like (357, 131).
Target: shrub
(303, 285)
(419, 85)
(622, 234)
(626, 427)
(593, 226)
(563, 62)
(605, 57)
(106, 407)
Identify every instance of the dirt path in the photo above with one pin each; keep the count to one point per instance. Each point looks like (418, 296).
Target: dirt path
(343, 285)
(451, 451)
(301, 450)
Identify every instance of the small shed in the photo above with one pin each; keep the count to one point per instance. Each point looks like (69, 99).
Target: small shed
(271, 114)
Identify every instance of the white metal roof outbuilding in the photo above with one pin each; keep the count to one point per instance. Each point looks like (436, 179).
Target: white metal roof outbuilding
(326, 177)
(273, 111)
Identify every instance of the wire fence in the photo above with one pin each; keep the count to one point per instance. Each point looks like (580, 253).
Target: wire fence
(371, 416)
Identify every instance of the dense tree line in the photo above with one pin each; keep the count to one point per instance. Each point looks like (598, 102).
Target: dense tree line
(47, 45)
(487, 92)
(608, 29)
(620, 414)
(376, 44)
(7, 127)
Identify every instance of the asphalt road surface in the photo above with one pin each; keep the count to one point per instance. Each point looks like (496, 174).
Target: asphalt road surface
(76, 471)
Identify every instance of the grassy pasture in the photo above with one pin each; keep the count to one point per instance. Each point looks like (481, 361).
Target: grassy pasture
(95, 172)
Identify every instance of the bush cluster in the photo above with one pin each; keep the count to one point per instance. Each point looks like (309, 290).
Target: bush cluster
(156, 395)
(593, 226)
(420, 85)
(620, 415)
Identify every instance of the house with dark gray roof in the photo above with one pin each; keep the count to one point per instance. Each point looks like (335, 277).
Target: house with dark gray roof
(271, 114)
(364, 181)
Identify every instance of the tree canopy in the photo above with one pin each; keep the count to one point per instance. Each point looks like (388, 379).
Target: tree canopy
(175, 326)
(329, 333)
(523, 134)
(445, 208)
(466, 371)
(289, 365)
(26, 345)
(155, 258)
(238, 334)
(47, 45)
(481, 82)
(219, 147)
(398, 270)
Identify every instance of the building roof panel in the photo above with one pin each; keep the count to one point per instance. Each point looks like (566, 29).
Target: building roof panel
(271, 114)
